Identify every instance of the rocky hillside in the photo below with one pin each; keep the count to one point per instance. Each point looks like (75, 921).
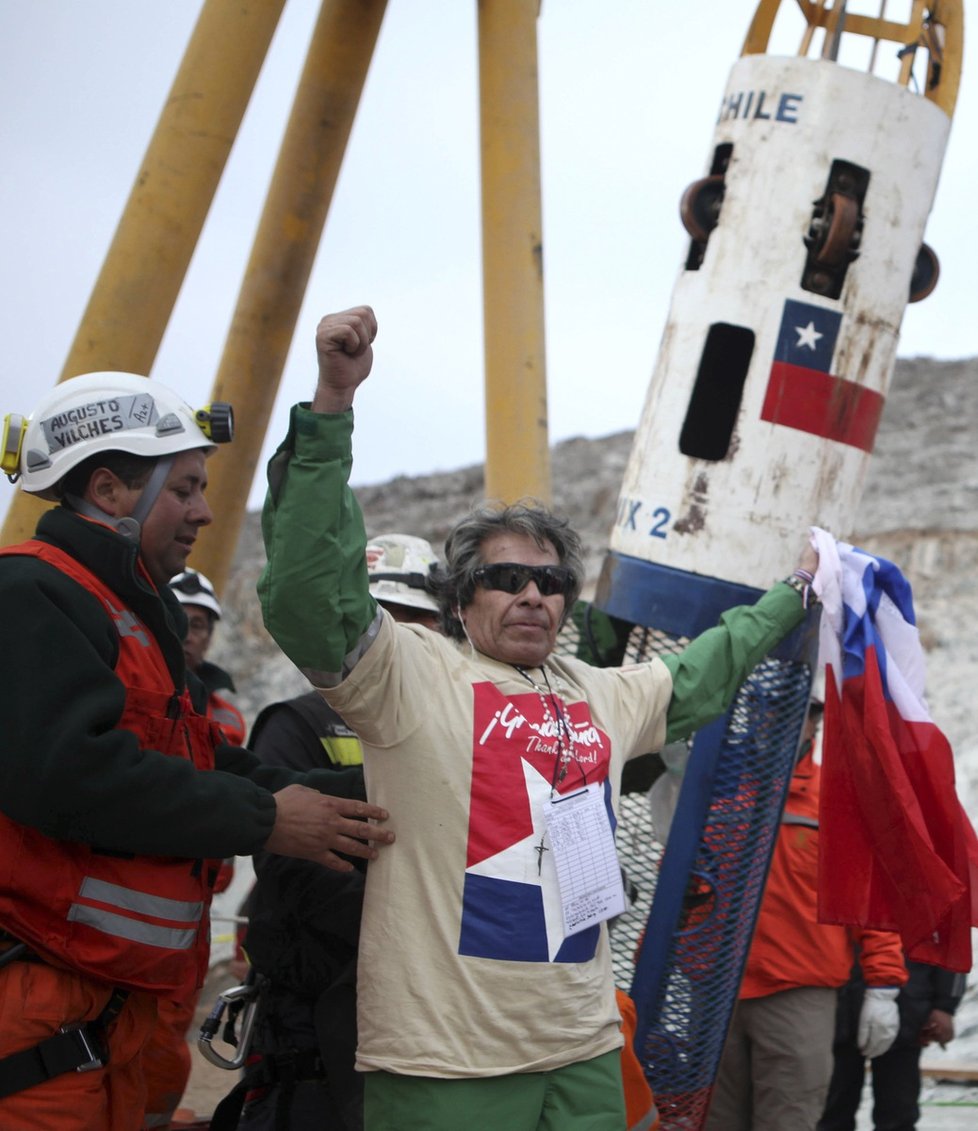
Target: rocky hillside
(919, 508)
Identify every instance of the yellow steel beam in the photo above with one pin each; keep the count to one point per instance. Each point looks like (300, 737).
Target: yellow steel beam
(517, 448)
(282, 257)
(759, 32)
(140, 279)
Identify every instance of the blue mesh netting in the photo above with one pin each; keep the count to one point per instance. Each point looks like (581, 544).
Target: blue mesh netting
(710, 883)
(680, 950)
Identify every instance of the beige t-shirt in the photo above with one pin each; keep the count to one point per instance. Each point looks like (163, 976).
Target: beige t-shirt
(463, 969)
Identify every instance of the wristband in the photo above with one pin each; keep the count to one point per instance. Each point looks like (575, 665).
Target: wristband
(801, 581)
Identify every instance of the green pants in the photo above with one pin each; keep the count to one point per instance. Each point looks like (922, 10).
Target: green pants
(586, 1096)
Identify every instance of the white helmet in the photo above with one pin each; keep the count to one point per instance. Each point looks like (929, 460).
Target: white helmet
(398, 566)
(104, 412)
(193, 588)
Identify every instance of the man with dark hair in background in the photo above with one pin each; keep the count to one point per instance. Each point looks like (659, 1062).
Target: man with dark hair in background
(196, 593)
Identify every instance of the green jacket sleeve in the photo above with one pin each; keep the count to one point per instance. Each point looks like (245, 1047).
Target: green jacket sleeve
(314, 594)
(708, 672)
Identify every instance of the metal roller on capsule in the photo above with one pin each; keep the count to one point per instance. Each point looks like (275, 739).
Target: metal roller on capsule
(806, 244)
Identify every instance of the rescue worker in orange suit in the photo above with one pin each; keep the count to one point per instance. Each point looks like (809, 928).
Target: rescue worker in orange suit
(777, 1061)
(117, 800)
(196, 593)
(166, 1055)
(205, 679)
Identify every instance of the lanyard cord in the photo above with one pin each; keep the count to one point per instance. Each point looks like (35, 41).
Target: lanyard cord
(565, 745)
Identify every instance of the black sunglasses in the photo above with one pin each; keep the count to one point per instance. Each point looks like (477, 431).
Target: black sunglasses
(513, 577)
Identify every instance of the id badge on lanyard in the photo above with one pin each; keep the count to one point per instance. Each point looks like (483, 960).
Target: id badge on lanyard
(583, 848)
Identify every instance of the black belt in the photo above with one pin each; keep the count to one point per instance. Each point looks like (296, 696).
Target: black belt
(12, 951)
(78, 1046)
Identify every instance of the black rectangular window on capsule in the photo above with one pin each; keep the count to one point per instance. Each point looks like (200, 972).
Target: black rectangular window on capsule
(715, 401)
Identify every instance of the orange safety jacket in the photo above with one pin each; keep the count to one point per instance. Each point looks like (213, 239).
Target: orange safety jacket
(228, 718)
(136, 922)
(234, 732)
(790, 947)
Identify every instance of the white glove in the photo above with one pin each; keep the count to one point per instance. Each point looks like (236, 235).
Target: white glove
(879, 1021)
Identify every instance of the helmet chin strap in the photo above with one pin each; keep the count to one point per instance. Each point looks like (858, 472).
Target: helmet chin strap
(129, 525)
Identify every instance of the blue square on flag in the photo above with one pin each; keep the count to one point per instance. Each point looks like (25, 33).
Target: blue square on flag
(807, 336)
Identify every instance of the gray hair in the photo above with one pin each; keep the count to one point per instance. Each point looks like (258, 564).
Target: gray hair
(455, 588)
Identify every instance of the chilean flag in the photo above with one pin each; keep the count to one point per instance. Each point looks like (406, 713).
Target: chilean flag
(896, 849)
(511, 908)
(802, 392)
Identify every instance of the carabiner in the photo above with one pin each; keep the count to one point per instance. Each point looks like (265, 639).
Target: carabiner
(246, 997)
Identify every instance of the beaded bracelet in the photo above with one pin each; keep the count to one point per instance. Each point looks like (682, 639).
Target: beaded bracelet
(801, 581)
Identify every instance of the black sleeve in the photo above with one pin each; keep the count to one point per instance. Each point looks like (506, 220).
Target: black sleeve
(289, 762)
(281, 737)
(948, 989)
(198, 693)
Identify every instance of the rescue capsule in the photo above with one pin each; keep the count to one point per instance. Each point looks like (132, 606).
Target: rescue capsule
(806, 230)
(806, 244)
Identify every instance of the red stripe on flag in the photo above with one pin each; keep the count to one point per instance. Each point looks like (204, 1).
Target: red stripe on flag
(896, 850)
(823, 405)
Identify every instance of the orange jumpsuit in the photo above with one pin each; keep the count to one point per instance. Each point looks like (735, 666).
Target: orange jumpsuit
(639, 1102)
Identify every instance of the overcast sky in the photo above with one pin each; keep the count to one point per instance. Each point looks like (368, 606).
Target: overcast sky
(628, 103)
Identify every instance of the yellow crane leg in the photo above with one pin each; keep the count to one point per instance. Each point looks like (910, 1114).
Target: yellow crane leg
(140, 279)
(517, 447)
(282, 258)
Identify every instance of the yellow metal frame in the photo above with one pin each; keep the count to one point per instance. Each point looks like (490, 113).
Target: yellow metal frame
(517, 450)
(934, 26)
(281, 260)
(137, 288)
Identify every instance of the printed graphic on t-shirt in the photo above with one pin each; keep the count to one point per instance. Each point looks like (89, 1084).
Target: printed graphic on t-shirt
(522, 744)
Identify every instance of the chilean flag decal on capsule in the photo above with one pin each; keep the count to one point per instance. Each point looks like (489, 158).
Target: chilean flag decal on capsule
(803, 393)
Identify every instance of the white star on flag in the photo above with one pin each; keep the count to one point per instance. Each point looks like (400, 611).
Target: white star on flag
(519, 862)
(808, 336)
